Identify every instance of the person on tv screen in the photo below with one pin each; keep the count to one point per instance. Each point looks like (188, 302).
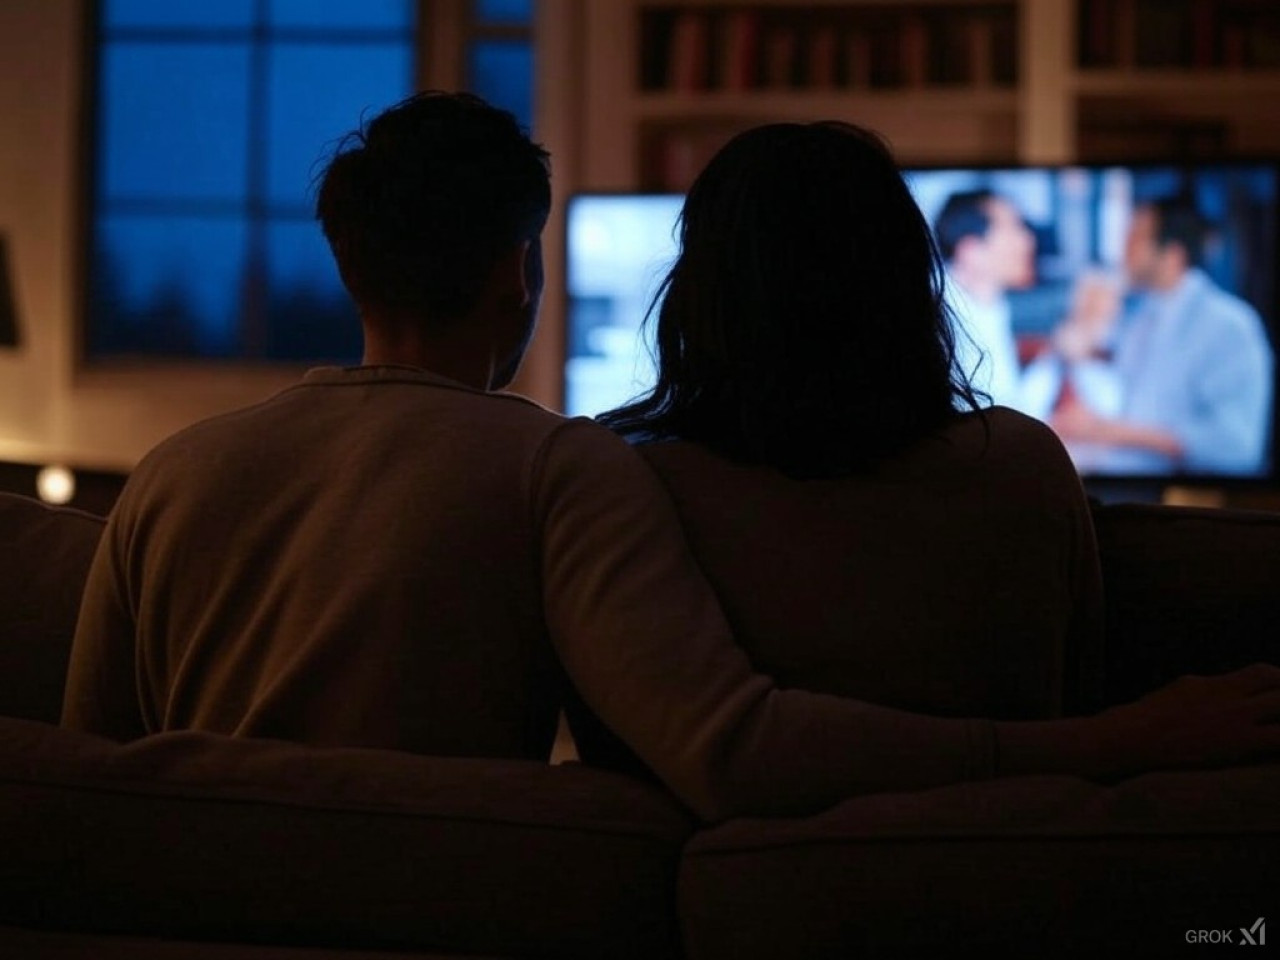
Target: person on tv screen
(989, 250)
(1191, 365)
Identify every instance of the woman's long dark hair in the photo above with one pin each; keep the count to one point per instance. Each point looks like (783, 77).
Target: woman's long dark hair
(802, 325)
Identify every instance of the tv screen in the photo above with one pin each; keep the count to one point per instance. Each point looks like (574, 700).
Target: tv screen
(1133, 308)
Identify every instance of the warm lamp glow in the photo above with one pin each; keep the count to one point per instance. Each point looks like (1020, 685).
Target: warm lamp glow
(56, 484)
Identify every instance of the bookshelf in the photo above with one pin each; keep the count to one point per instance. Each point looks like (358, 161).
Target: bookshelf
(964, 81)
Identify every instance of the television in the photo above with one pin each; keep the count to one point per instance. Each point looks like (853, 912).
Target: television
(1075, 329)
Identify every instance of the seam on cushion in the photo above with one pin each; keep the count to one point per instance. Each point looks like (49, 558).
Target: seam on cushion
(1004, 838)
(188, 794)
(1159, 516)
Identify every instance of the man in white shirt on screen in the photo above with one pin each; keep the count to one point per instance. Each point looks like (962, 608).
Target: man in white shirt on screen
(989, 250)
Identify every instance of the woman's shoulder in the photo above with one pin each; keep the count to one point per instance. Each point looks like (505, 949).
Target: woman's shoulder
(999, 429)
(1010, 449)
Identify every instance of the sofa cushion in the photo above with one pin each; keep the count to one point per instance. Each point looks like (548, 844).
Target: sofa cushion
(1034, 866)
(53, 945)
(1188, 590)
(44, 558)
(195, 836)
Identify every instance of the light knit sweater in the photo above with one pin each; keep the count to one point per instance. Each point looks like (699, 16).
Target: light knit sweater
(382, 557)
(960, 578)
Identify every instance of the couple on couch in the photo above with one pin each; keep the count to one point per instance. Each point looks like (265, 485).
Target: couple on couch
(817, 569)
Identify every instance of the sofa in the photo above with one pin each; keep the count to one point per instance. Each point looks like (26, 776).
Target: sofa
(191, 845)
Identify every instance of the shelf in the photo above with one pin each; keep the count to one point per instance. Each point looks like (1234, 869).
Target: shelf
(816, 104)
(1131, 82)
(838, 4)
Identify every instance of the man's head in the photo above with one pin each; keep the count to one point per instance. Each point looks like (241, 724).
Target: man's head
(433, 211)
(984, 239)
(1166, 238)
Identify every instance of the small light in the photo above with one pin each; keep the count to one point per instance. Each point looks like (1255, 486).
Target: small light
(56, 484)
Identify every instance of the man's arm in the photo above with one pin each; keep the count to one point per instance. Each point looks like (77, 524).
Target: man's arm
(643, 639)
(102, 689)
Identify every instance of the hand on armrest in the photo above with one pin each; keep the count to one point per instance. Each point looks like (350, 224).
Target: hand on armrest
(1195, 721)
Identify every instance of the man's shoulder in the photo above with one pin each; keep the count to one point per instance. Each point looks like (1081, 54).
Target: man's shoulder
(1225, 307)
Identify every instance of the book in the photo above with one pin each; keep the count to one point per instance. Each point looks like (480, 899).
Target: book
(981, 49)
(740, 54)
(1163, 34)
(690, 46)
(952, 50)
(913, 40)
(885, 52)
(1125, 26)
(857, 58)
(780, 60)
(824, 51)
(1004, 48)
(1097, 44)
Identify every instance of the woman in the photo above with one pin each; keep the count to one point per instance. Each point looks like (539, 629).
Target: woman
(871, 533)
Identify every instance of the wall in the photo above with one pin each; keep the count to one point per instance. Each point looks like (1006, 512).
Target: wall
(48, 409)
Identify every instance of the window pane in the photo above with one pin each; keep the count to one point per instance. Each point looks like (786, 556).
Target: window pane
(311, 316)
(166, 285)
(177, 13)
(305, 125)
(504, 11)
(502, 73)
(360, 14)
(173, 121)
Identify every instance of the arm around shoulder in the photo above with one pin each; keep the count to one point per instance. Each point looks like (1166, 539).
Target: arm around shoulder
(643, 639)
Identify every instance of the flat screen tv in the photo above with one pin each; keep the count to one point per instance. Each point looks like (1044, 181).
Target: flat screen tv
(1079, 331)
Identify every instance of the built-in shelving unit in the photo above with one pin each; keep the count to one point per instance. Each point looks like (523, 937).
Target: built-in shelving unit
(964, 81)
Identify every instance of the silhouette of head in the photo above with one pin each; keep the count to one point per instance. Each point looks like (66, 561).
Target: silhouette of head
(802, 324)
(420, 204)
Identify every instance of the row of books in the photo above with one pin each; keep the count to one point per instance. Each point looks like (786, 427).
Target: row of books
(761, 48)
(1180, 34)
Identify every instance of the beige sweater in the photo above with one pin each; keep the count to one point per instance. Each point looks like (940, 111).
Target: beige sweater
(961, 578)
(382, 557)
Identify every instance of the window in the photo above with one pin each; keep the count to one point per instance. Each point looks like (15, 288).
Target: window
(500, 62)
(211, 121)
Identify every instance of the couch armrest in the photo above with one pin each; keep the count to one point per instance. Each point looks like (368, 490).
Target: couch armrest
(45, 554)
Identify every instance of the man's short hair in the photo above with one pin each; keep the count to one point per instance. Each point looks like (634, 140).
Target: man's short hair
(419, 203)
(963, 215)
(1179, 220)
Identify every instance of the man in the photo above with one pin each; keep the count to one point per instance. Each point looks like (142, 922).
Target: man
(1191, 362)
(988, 250)
(397, 556)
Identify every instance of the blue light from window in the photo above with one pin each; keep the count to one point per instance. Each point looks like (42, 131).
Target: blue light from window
(504, 11)
(304, 127)
(177, 13)
(343, 14)
(502, 73)
(168, 285)
(172, 119)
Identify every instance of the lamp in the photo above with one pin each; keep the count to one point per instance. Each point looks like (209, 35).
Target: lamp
(8, 302)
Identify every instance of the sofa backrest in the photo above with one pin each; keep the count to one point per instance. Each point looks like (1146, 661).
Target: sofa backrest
(193, 836)
(44, 558)
(1188, 590)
